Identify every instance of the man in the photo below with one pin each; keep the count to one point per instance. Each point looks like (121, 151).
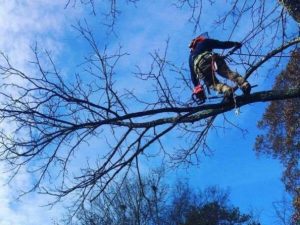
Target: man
(204, 63)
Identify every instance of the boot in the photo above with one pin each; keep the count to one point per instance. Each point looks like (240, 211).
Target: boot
(246, 88)
(228, 95)
(225, 90)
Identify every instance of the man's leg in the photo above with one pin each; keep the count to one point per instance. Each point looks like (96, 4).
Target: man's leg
(225, 72)
(204, 71)
(212, 82)
(222, 88)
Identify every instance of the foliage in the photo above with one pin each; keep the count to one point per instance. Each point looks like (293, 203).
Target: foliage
(148, 201)
(281, 123)
(208, 207)
(293, 7)
(215, 214)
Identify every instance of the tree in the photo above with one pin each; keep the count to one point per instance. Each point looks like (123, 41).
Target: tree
(53, 117)
(210, 206)
(213, 213)
(282, 130)
(136, 201)
(148, 201)
(293, 7)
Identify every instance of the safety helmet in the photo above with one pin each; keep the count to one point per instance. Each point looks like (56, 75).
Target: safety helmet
(198, 39)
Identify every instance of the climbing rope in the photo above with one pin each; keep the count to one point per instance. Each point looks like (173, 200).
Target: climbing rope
(236, 108)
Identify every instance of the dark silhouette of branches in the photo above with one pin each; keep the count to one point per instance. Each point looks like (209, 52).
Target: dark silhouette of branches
(283, 211)
(52, 115)
(267, 23)
(109, 8)
(90, 3)
(56, 117)
(136, 201)
(160, 205)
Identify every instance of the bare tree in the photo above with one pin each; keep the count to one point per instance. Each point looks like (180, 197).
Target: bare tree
(138, 200)
(149, 201)
(283, 211)
(55, 116)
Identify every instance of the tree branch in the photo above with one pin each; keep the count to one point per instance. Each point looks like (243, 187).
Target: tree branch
(270, 55)
(203, 112)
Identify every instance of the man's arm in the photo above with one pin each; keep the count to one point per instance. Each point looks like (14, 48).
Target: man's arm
(193, 74)
(194, 78)
(222, 44)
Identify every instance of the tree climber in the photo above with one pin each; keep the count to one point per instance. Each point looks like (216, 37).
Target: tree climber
(204, 63)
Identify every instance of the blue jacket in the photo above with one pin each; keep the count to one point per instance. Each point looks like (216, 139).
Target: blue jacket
(206, 45)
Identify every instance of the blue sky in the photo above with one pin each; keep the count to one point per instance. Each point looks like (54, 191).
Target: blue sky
(254, 182)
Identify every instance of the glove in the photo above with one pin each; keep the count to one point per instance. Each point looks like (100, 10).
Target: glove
(199, 93)
(238, 44)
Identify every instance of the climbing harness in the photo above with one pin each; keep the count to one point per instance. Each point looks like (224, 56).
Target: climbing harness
(200, 68)
(201, 65)
(214, 68)
(200, 61)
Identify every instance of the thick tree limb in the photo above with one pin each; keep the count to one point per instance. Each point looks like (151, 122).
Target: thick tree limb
(206, 111)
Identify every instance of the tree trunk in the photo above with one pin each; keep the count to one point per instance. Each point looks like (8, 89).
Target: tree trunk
(293, 8)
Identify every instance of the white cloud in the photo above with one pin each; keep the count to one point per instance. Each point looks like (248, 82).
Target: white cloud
(28, 209)
(22, 23)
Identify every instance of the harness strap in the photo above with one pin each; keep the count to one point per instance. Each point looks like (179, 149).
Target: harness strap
(214, 68)
(199, 60)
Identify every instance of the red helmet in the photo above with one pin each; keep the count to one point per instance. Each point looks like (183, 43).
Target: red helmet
(195, 41)
(198, 39)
